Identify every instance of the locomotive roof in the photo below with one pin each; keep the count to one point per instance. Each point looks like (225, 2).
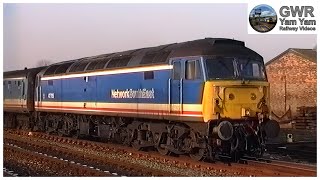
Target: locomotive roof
(152, 55)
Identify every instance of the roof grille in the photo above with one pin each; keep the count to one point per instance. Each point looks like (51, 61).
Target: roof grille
(63, 68)
(79, 66)
(101, 63)
(155, 57)
(119, 62)
(92, 65)
(51, 70)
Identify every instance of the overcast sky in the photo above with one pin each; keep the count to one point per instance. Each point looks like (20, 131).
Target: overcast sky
(59, 32)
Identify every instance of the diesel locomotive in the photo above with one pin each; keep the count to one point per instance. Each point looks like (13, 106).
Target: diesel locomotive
(205, 98)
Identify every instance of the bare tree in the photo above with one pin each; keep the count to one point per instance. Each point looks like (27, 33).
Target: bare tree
(43, 62)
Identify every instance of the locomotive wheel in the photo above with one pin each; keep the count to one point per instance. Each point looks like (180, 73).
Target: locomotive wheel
(198, 154)
(236, 155)
(161, 141)
(76, 134)
(48, 126)
(61, 127)
(124, 137)
(258, 152)
(163, 150)
(136, 145)
(255, 147)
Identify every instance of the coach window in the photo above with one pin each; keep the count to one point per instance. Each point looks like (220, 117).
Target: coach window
(23, 93)
(177, 70)
(9, 84)
(192, 70)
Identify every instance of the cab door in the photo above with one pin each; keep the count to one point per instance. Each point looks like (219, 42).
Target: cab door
(193, 87)
(175, 84)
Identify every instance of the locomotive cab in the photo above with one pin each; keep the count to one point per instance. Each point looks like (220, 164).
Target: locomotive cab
(236, 103)
(239, 84)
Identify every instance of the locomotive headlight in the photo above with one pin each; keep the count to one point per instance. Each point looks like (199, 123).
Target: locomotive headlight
(231, 96)
(253, 96)
(245, 112)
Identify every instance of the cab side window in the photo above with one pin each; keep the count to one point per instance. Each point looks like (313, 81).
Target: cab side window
(192, 70)
(177, 70)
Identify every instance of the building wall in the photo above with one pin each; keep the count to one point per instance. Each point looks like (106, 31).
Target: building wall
(300, 77)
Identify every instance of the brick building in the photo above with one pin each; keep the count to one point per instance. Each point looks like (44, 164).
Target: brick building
(293, 80)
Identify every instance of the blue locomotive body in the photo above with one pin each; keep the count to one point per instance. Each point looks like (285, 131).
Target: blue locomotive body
(132, 92)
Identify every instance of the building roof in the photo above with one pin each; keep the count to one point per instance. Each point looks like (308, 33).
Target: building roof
(309, 54)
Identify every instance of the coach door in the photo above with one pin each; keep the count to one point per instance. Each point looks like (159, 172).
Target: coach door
(175, 86)
(23, 94)
(38, 92)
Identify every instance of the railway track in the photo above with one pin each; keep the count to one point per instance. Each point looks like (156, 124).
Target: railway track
(296, 152)
(44, 165)
(284, 166)
(125, 161)
(78, 158)
(9, 173)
